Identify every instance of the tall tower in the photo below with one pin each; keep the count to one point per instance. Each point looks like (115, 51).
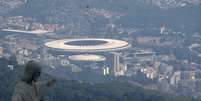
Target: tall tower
(175, 78)
(105, 70)
(1, 51)
(162, 30)
(116, 63)
(119, 69)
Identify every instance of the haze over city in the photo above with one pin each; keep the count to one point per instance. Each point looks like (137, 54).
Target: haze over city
(104, 50)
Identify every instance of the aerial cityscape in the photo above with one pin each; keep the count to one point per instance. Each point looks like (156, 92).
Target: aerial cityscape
(155, 44)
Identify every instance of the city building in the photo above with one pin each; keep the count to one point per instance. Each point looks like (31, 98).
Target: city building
(188, 75)
(162, 30)
(164, 85)
(1, 51)
(75, 68)
(175, 79)
(106, 70)
(19, 26)
(119, 68)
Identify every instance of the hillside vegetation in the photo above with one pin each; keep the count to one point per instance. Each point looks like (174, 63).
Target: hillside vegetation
(71, 90)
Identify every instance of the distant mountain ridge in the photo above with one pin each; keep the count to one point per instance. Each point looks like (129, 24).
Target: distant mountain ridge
(7, 6)
(108, 16)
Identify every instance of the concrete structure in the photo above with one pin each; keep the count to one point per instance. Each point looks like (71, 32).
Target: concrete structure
(37, 32)
(175, 79)
(88, 45)
(79, 52)
(119, 68)
(1, 51)
(91, 62)
(87, 57)
(106, 71)
(162, 30)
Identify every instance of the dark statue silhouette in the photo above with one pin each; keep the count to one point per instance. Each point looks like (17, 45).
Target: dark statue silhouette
(28, 88)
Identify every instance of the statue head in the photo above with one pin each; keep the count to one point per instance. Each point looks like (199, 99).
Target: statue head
(32, 72)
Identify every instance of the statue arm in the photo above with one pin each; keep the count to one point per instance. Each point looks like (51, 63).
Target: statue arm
(51, 82)
(17, 97)
(42, 86)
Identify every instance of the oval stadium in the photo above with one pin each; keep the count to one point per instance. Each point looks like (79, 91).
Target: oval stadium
(88, 45)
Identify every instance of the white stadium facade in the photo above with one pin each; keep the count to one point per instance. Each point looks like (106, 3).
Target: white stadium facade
(92, 50)
(88, 45)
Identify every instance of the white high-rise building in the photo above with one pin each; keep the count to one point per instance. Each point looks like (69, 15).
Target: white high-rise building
(162, 30)
(119, 69)
(106, 70)
(1, 51)
(175, 78)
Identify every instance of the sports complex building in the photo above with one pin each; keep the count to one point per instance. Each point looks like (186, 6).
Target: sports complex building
(92, 50)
